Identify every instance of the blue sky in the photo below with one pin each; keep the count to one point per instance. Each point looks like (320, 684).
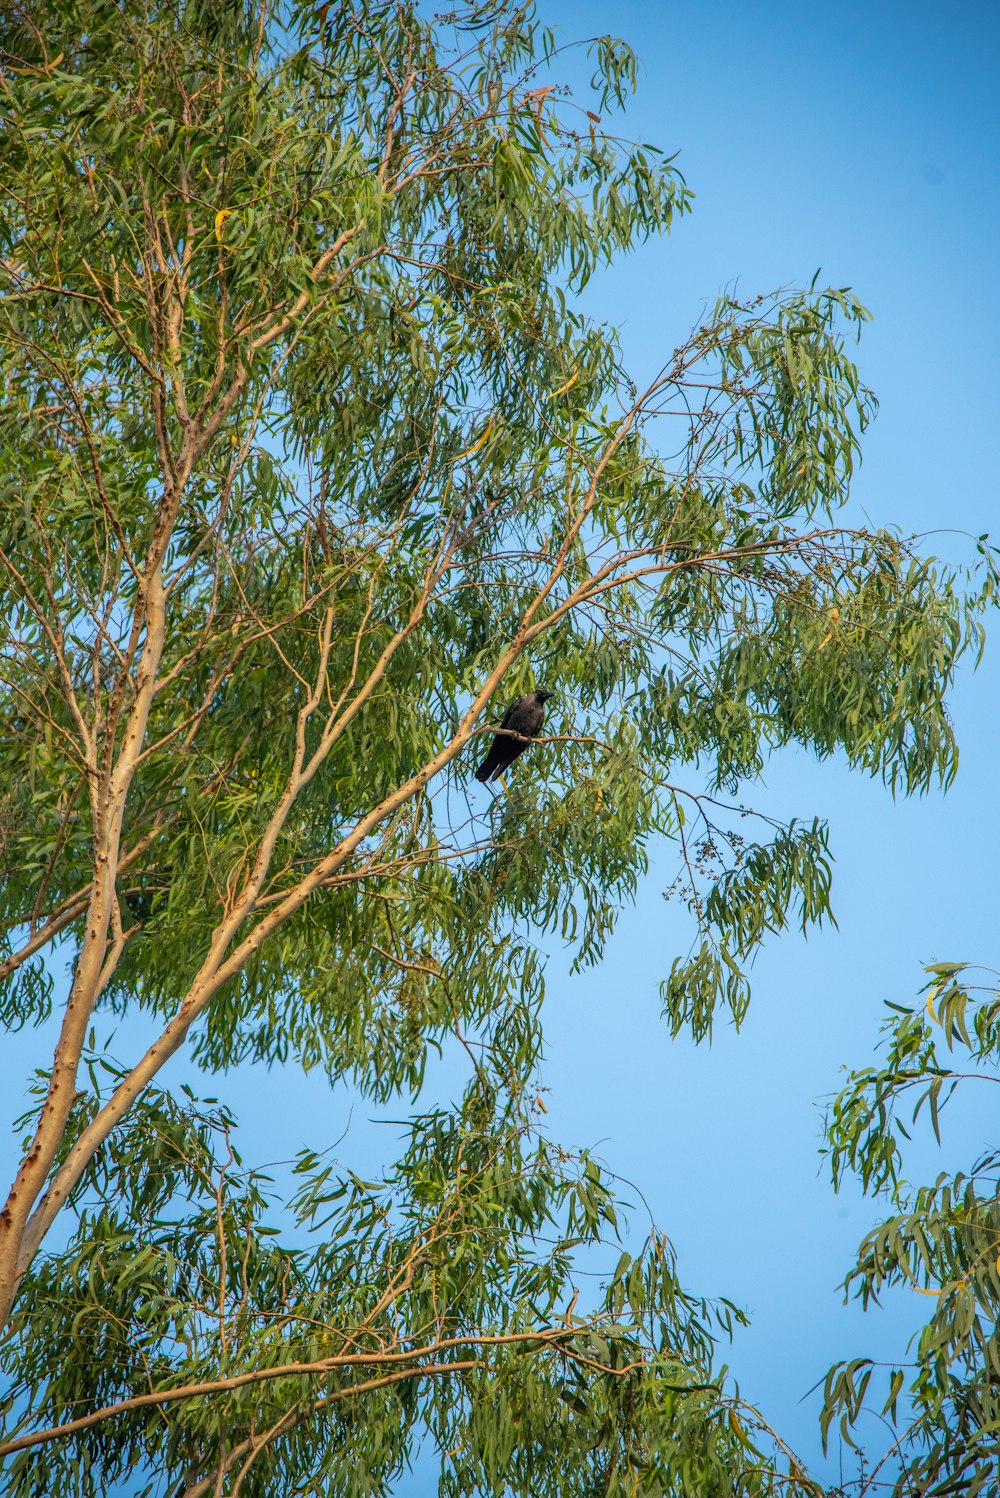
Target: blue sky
(862, 139)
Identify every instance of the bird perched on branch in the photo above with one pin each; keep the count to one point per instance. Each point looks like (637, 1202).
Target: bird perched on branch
(521, 722)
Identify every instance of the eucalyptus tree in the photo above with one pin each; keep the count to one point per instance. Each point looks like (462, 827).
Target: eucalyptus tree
(941, 1240)
(309, 457)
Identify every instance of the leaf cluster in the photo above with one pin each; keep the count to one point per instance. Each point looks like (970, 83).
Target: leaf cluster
(440, 1299)
(941, 1240)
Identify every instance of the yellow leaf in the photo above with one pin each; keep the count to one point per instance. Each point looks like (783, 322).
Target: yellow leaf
(834, 616)
(930, 1002)
(39, 67)
(563, 388)
(220, 222)
(476, 445)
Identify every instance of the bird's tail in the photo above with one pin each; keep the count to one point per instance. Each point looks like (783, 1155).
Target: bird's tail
(491, 766)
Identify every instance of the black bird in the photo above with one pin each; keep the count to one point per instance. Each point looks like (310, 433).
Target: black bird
(523, 717)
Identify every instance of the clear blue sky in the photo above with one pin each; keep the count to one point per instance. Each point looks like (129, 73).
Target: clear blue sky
(860, 138)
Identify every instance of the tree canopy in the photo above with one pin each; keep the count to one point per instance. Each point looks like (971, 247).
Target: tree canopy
(308, 460)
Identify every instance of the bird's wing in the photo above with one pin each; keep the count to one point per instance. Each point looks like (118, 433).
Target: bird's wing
(507, 720)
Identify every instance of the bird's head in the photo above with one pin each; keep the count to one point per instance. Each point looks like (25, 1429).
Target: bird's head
(544, 696)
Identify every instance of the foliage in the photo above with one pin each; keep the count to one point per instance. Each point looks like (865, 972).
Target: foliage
(942, 1240)
(323, 1341)
(306, 453)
